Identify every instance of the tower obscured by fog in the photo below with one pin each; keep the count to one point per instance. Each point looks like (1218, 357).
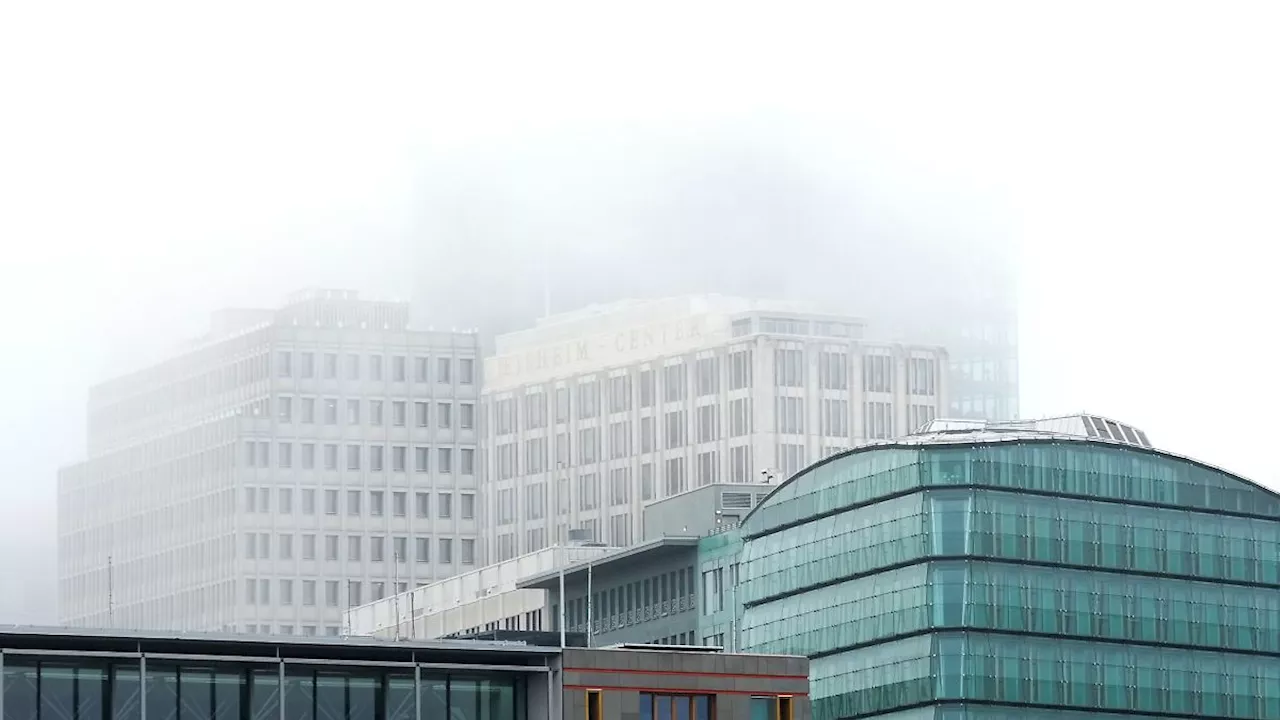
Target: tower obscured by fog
(595, 220)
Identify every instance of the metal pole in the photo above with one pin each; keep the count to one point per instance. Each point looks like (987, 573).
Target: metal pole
(591, 628)
(560, 560)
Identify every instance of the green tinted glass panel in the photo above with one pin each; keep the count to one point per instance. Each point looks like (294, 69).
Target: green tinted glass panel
(889, 675)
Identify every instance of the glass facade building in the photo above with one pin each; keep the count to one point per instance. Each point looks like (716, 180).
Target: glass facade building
(984, 574)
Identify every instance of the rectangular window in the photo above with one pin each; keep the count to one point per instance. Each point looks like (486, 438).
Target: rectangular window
(308, 502)
(674, 382)
(587, 446)
(444, 505)
(468, 550)
(286, 547)
(708, 423)
(353, 367)
(444, 460)
(375, 413)
(788, 369)
(420, 369)
(284, 455)
(790, 415)
(400, 546)
(740, 369)
(466, 416)
(353, 548)
(309, 592)
(286, 592)
(646, 482)
(595, 705)
(375, 367)
(421, 414)
(833, 371)
(444, 370)
(330, 456)
(375, 457)
(353, 593)
(467, 506)
(423, 501)
(376, 505)
(308, 365)
(399, 373)
(676, 429)
(588, 491)
(398, 413)
(877, 373)
(308, 547)
(399, 456)
(286, 501)
(308, 456)
(399, 504)
(423, 550)
(648, 392)
(353, 412)
(308, 411)
(647, 443)
(330, 502)
(562, 405)
(835, 418)
(466, 371)
(707, 376)
(353, 502)
(353, 457)
(331, 548)
(444, 415)
(377, 546)
(284, 409)
(467, 466)
(654, 706)
(331, 366)
(446, 551)
(330, 411)
(675, 478)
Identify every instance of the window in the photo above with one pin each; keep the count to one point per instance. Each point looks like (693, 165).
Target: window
(707, 376)
(588, 491)
(740, 464)
(467, 466)
(331, 548)
(399, 373)
(308, 456)
(353, 412)
(397, 413)
(284, 409)
(466, 416)
(375, 458)
(708, 467)
(308, 547)
(535, 501)
(308, 502)
(399, 504)
(740, 369)
(284, 455)
(421, 415)
(588, 399)
(674, 380)
(587, 446)
(835, 418)
(619, 486)
(399, 456)
(877, 373)
(788, 369)
(791, 415)
(535, 410)
(353, 548)
(595, 705)
(647, 388)
(708, 423)
(682, 707)
(877, 418)
(468, 550)
(647, 435)
(423, 501)
(375, 367)
(444, 370)
(353, 367)
(330, 411)
(646, 482)
(791, 456)
(562, 405)
(444, 415)
(620, 530)
(400, 546)
(833, 371)
(330, 456)
(620, 439)
(421, 459)
(375, 413)
(444, 505)
(423, 549)
(466, 371)
(446, 551)
(353, 502)
(353, 593)
(676, 429)
(377, 546)
(308, 592)
(467, 506)
(286, 547)
(330, 366)
(308, 365)
(308, 410)
(444, 460)
(675, 478)
(286, 592)
(620, 393)
(420, 369)
(376, 503)
(330, 502)
(739, 417)
(922, 376)
(286, 501)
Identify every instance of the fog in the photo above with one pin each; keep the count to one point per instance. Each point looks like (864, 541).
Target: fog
(1118, 159)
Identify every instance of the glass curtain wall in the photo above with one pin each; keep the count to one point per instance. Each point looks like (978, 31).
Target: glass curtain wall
(51, 688)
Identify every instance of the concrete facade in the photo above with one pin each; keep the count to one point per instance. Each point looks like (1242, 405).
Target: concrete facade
(593, 415)
(292, 463)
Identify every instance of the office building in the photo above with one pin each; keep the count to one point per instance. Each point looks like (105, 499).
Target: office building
(1002, 571)
(291, 464)
(592, 415)
(113, 675)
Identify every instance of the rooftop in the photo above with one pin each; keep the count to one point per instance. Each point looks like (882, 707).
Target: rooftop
(661, 546)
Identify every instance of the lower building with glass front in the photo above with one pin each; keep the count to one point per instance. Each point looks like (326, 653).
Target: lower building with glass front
(1001, 574)
(65, 674)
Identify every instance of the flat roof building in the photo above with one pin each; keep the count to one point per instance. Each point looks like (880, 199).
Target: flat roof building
(291, 464)
(592, 415)
(99, 675)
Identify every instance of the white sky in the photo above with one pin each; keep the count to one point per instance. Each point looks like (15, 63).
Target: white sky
(159, 160)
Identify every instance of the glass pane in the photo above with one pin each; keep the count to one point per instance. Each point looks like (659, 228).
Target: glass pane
(400, 705)
(126, 692)
(646, 706)
(664, 707)
(481, 699)
(299, 694)
(264, 694)
(162, 691)
(21, 683)
(682, 707)
(702, 708)
(434, 697)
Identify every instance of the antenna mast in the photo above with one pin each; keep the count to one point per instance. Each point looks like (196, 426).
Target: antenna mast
(111, 594)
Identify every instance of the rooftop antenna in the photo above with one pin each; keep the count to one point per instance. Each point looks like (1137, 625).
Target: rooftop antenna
(111, 594)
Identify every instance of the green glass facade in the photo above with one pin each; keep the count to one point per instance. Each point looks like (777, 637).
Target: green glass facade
(1014, 576)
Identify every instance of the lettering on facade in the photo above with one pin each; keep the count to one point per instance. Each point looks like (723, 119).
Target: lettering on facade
(604, 350)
